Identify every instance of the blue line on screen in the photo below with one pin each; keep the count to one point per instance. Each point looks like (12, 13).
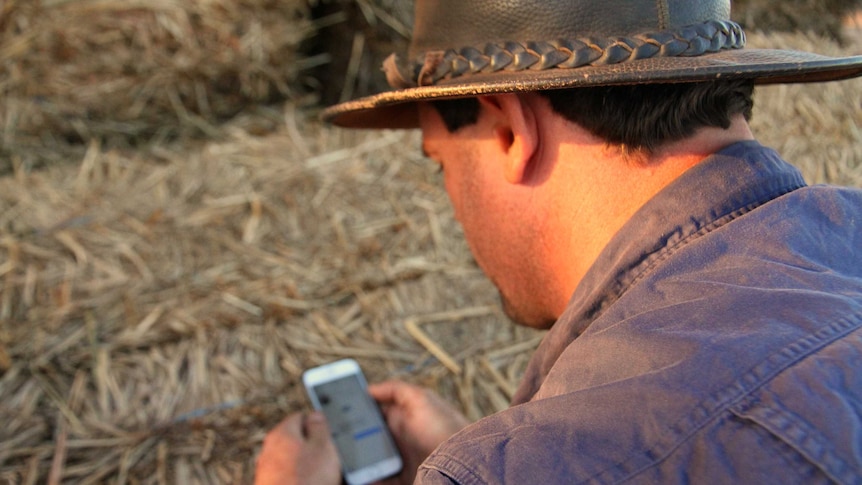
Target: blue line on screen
(366, 433)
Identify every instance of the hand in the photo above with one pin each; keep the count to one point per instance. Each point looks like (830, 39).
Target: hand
(419, 420)
(299, 451)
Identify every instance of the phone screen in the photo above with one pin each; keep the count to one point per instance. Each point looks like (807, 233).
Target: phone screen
(355, 422)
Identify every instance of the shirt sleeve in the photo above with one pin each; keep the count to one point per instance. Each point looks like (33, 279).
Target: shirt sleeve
(428, 476)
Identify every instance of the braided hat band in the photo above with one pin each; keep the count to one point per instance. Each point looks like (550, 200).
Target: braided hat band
(689, 41)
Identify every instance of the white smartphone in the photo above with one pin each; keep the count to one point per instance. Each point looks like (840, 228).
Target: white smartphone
(365, 446)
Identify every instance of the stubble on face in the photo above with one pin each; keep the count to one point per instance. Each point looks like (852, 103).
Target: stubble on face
(498, 239)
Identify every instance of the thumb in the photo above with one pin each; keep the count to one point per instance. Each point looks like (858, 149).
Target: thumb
(316, 428)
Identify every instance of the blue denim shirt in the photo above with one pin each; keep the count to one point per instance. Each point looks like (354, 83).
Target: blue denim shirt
(715, 340)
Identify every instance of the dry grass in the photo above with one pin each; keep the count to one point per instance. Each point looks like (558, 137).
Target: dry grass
(156, 313)
(156, 310)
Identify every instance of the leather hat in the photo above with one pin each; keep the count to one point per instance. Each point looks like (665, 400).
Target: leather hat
(464, 48)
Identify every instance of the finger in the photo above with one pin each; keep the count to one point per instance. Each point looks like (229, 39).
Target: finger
(292, 425)
(391, 391)
(280, 440)
(317, 429)
(383, 392)
(289, 429)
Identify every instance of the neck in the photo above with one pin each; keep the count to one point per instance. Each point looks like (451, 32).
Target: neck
(601, 189)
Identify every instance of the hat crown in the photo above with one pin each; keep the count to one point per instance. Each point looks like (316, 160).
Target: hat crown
(452, 24)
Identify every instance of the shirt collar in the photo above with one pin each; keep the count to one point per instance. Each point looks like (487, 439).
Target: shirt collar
(726, 184)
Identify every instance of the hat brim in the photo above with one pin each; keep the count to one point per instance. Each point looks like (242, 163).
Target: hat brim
(397, 109)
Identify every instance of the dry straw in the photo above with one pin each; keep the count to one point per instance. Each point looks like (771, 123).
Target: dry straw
(818, 127)
(156, 310)
(157, 313)
(136, 73)
(822, 17)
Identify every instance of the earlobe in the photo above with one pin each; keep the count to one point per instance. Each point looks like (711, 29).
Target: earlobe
(516, 133)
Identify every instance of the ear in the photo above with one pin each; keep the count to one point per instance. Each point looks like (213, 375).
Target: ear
(516, 132)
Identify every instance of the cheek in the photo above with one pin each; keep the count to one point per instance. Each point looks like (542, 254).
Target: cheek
(481, 224)
(454, 198)
(462, 191)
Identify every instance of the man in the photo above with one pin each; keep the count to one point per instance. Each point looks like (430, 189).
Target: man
(704, 305)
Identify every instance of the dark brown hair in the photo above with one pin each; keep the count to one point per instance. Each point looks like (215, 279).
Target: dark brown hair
(638, 117)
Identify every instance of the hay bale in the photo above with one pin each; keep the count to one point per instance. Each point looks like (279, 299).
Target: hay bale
(358, 35)
(139, 73)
